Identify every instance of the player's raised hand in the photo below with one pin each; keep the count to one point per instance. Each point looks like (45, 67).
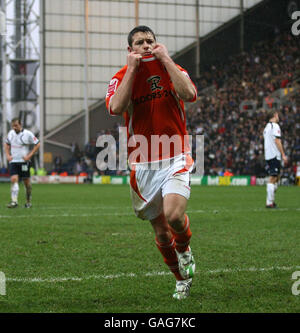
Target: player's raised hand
(133, 60)
(161, 52)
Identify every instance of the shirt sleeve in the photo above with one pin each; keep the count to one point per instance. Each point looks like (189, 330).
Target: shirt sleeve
(30, 139)
(112, 88)
(186, 74)
(8, 139)
(276, 131)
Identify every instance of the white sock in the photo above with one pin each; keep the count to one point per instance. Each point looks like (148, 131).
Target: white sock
(14, 192)
(270, 193)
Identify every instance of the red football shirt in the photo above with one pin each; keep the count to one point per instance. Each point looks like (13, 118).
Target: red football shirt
(155, 110)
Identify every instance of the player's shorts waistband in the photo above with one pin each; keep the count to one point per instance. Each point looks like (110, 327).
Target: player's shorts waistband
(160, 164)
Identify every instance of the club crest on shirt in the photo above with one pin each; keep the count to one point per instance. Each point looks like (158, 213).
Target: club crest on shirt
(154, 82)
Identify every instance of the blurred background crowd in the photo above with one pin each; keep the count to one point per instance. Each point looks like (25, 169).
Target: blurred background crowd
(230, 112)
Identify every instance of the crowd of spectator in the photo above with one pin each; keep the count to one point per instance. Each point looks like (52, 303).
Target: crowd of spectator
(82, 162)
(232, 118)
(230, 111)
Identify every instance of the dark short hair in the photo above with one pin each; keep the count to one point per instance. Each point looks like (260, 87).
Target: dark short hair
(271, 113)
(140, 28)
(16, 120)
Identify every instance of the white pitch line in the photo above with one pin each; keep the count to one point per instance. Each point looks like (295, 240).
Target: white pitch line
(62, 215)
(81, 208)
(132, 213)
(134, 275)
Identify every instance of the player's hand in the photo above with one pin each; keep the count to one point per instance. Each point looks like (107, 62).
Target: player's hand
(161, 52)
(285, 159)
(133, 60)
(26, 158)
(9, 158)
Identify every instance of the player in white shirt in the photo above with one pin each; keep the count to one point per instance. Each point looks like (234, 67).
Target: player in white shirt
(273, 154)
(18, 154)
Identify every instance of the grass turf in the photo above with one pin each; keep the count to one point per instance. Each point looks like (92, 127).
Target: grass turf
(81, 249)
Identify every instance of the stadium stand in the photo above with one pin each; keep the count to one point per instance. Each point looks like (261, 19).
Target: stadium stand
(230, 111)
(232, 100)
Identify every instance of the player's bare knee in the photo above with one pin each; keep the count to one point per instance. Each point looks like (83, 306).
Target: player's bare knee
(14, 179)
(175, 218)
(27, 182)
(161, 229)
(273, 179)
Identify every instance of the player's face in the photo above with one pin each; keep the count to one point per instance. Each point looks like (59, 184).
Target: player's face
(16, 127)
(143, 43)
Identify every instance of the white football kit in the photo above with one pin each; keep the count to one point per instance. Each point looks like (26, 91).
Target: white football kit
(19, 144)
(271, 132)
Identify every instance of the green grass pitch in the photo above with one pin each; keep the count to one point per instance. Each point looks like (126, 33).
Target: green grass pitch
(81, 249)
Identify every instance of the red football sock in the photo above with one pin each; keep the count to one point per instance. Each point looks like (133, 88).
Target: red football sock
(170, 258)
(182, 238)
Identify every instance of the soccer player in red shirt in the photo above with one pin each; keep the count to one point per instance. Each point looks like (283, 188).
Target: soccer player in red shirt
(150, 92)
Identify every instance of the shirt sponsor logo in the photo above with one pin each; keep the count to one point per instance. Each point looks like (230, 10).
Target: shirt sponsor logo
(154, 82)
(152, 96)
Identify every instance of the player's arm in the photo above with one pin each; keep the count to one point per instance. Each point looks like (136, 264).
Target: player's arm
(120, 100)
(280, 148)
(33, 151)
(182, 83)
(7, 152)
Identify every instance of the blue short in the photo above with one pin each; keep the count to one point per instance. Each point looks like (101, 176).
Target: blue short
(20, 169)
(273, 167)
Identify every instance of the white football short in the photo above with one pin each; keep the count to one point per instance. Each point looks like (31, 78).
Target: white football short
(148, 187)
